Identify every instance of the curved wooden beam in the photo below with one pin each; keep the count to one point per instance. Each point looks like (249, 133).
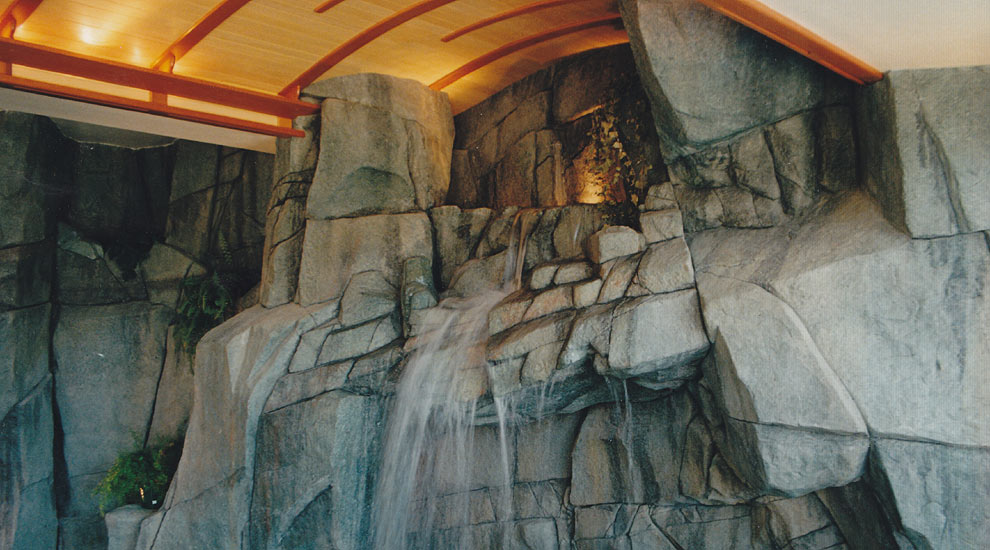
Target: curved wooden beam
(326, 5)
(507, 14)
(197, 33)
(522, 43)
(178, 113)
(16, 13)
(788, 32)
(60, 61)
(358, 41)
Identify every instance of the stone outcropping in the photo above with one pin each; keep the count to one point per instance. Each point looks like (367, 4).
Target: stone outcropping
(924, 135)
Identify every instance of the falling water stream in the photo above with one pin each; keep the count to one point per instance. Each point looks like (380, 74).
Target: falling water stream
(426, 473)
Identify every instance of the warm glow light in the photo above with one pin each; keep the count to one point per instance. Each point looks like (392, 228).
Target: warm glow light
(592, 190)
(90, 36)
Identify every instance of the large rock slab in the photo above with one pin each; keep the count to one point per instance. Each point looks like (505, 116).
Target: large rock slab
(922, 135)
(313, 488)
(900, 322)
(657, 340)
(237, 365)
(398, 163)
(631, 453)
(25, 275)
(109, 362)
(24, 336)
(940, 491)
(335, 249)
(28, 145)
(772, 382)
(709, 77)
(27, 515)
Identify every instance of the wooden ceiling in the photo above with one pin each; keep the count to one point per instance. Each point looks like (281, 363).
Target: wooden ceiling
(241, 63)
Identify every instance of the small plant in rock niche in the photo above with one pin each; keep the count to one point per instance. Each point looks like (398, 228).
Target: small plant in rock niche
(617, 160)
(204, 303)
(140, 476)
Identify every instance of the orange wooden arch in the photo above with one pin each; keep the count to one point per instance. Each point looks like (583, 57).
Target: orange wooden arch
(16, 13)
(522, 43)
(788, 32)
(45, 88)
(326, 5)
(60, 61)
(358, 41)
(507, 14)
(197, 33)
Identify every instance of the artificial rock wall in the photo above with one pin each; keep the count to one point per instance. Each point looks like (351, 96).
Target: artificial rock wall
(95, 241)
(715, 379)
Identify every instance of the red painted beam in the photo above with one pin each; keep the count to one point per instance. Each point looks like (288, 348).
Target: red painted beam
(326, 5)
(87, 96)
(788, 32)
(512, 47)
(358, 41)
(508, 14)
(16, 13)
(197, 33)
(51, 59)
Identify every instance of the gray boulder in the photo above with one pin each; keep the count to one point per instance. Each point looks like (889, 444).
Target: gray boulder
(458, 233)
(399, 163)
(335, 249)
(317, 494)
(657, 340)
(709, 77)
(124, 525)
(907, 358)
(614, 242)
(923, 133)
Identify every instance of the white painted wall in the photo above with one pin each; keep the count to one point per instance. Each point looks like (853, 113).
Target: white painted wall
(899, 34)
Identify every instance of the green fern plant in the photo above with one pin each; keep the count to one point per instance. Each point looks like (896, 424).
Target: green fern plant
(140, 476)
(204, 303)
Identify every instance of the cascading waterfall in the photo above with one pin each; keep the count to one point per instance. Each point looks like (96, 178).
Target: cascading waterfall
(426, 475)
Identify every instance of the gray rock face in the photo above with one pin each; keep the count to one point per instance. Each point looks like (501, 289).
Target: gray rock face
(614, 242)
(24, 363)
(615, 460)
(906, 359)
(709, 77)
(302, 497)
(124, 525)
(27, 516)
(25, 275)
(335, 249)
(656, 339)
(109, 362)
(237, 365)
(458, 233)
(940, 491)
(26, 177)
(399, 163)
(922, 134)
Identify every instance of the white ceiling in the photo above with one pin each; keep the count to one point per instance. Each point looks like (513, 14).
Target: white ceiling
(899, 34)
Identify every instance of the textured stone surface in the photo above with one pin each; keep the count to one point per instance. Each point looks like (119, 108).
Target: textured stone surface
(617, 460)
(654, 338)
(614, 242)
(335, 249)
(666, 267)
(25, 275)
(174, 398)
(709, 77)
(922, 134)
(28, 173)
(124, 525)
(400, 162)
(237, 365)
(297, 500)
(109, 361)
(940, 491)
(661, 225)
(27, 515)
(458, 233)
(907, 358)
